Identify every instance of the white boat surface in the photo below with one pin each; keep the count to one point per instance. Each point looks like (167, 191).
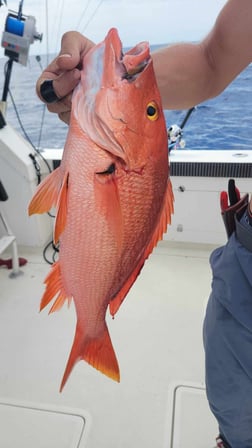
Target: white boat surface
(157, 334)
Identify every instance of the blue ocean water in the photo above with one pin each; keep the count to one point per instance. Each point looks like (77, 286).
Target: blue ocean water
(221, 123)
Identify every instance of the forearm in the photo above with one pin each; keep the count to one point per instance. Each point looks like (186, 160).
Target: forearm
(188, 74)
(183, 75)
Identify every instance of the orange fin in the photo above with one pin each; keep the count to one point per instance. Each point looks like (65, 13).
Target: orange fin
(165, 219)
(99, 353)
(46, 194)
(163, 222)
(61, 214)
(54, 287)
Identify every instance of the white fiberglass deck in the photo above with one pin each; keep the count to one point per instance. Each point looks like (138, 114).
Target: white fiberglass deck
(157, 335)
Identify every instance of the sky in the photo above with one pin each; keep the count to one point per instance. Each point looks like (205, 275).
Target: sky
(157, 21)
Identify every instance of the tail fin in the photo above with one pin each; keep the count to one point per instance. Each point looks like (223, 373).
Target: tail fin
(98, 352)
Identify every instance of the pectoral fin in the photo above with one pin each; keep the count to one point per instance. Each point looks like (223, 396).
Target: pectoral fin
(46, 195)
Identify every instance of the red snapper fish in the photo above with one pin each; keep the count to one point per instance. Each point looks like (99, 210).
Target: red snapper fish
(112, 193)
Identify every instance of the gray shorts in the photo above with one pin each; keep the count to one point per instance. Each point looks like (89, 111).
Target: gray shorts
(228, 337)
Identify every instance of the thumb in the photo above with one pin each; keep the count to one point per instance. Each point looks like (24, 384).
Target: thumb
(63, 70)
(73, 47)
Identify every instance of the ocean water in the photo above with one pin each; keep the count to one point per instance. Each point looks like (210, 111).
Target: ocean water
(221, 123)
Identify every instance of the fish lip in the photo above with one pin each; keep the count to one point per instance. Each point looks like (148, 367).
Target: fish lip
(130, 65)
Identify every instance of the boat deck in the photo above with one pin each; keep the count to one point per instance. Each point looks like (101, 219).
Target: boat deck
(157, 335)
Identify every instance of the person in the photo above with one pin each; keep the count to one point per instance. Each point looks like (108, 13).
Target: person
(188, 74)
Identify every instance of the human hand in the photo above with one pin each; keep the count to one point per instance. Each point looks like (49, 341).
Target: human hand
(64, 72)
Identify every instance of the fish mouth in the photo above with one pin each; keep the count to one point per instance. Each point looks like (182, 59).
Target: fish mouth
(127, 66)
(131, 74)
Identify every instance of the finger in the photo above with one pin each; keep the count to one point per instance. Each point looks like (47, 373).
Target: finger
(62, 85)
(73, 47)
(65, 116)
(66, 82)
(61, 106)
(62, 70)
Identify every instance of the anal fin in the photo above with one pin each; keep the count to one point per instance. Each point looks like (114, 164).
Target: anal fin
(54, 287)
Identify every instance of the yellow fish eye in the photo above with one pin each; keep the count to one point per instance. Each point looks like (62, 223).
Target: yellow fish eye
(152, 111)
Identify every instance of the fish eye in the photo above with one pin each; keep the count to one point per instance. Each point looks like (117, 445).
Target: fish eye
(152, 111)
(110, 170)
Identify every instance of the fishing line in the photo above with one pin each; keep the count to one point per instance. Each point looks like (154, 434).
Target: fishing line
(19, 120)
(41, 126)
(35, 164)
(92, 16)
(82, 15)
(25, 133)
(47, 33)
(38, 59)
(60, 23)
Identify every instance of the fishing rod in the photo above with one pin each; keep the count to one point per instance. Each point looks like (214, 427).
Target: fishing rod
(19, 33)
(175, 132)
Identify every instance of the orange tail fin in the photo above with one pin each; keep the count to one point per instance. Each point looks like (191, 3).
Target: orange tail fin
(99, 353)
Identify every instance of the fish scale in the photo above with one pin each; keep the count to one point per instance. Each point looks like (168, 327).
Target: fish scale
(112, 193)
